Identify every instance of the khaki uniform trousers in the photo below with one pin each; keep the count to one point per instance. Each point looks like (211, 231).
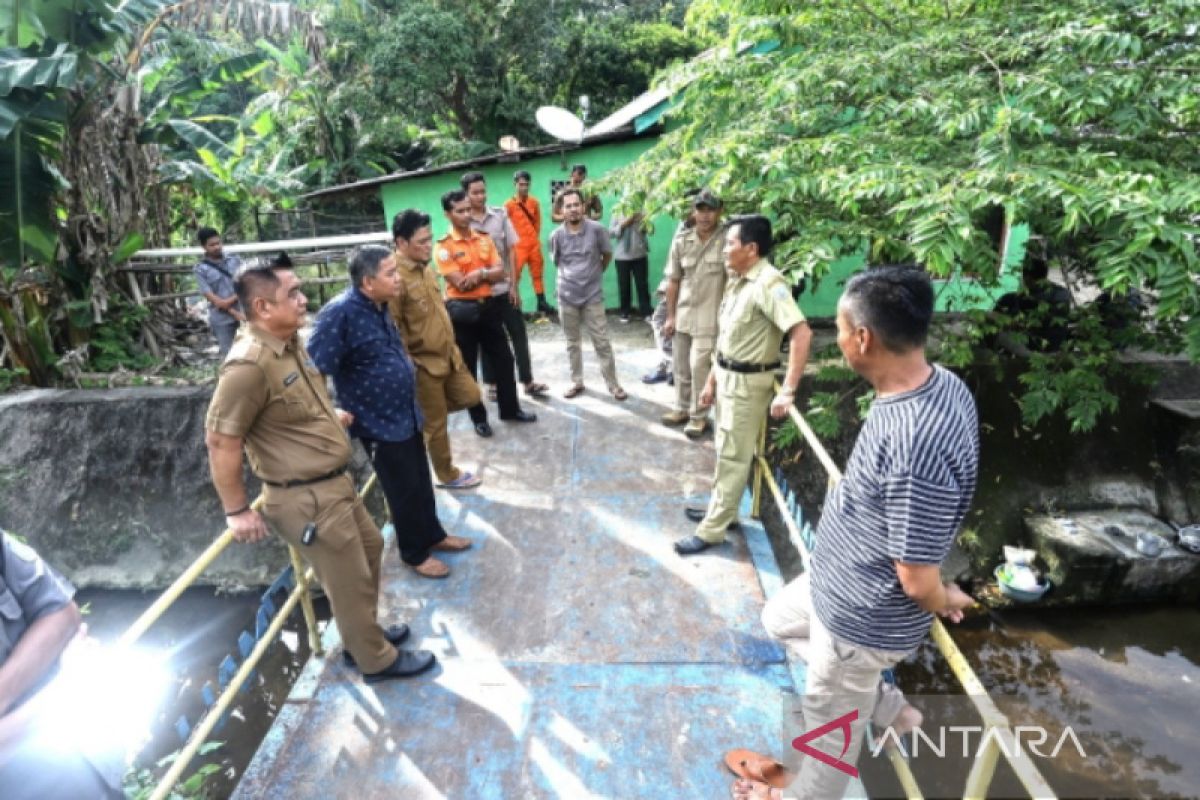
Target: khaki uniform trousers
(841, 677)
(742, 402)
(346, 556)
(693, 356)
(789, 616)
(591, 316)
(439, 397)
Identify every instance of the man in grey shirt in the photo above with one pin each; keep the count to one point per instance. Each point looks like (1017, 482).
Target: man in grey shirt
(214, 276)
(631, 255)
(581, 251)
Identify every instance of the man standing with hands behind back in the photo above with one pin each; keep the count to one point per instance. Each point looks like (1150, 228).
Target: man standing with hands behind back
(581, 251)
(696, 278)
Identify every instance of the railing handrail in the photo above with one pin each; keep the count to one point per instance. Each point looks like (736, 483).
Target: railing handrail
(299, 595)
(981, 776)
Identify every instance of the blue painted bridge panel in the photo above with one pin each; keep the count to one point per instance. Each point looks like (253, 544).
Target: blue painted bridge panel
(579, 656)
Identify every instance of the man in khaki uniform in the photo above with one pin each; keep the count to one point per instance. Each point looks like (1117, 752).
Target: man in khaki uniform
(271, 399)
(756, 312)
(696, 278)
(444, 385)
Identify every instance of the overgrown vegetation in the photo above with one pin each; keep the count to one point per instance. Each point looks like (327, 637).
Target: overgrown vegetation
(899, 129)
(136, 122)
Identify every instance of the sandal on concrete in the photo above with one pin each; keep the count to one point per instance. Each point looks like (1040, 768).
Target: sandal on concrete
(619, 393)
(431, 568)
(574, 391)
(535, 389)
(758, 768)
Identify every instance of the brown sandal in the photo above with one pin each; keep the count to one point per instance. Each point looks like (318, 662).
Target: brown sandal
(619, 393)
(574, 391)
(758, 768)
(535, 389)
(431, 568)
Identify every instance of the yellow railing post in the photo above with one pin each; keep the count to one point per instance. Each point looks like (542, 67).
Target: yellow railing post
(310, 616)
(299, 595)
(980, 777)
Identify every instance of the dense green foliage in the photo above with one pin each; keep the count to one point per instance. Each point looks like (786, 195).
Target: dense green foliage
(138, 121)
(899, 127)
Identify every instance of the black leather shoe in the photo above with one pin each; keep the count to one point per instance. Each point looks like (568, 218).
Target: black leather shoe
(407, 664)
(696, 514)
(691, 545)
(393, 633)
(521, 416)
(483, 429)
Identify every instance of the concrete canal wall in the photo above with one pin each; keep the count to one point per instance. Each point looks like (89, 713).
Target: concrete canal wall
(113, 487)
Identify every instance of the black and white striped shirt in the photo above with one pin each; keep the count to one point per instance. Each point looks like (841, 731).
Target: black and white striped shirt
(906, 489)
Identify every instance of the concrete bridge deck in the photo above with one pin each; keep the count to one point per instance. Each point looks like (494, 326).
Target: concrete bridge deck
(580, 657)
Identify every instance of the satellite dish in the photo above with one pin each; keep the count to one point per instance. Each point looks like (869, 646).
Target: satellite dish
(560, 123)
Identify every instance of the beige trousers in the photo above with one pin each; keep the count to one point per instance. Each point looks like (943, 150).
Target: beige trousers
(692, 361)
(841, 678)
(591, 317)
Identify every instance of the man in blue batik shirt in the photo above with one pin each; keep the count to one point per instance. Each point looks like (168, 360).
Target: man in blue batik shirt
(356, 343)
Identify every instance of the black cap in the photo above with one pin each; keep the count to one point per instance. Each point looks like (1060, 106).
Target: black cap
(706, 198)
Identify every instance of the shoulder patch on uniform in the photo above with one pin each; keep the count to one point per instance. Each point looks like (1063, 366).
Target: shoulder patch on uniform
(781, 293)
(245, 348)
(443, 254)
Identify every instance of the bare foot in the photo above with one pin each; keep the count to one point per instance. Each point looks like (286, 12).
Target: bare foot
(743, 789)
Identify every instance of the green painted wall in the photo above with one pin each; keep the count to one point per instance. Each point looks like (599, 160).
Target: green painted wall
(425, 193)
(954, 294)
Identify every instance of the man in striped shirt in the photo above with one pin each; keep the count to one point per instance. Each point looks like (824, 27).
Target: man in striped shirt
(887, 525)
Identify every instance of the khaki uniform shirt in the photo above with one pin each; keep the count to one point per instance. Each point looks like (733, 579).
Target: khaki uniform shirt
(272, 395)
(756, 312)
(424, 324)
(700, 269)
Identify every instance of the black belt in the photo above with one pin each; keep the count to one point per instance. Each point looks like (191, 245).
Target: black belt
(744, 366)
(306, 481)
(450, 300)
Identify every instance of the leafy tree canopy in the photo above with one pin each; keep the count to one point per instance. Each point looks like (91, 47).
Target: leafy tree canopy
(896, 127)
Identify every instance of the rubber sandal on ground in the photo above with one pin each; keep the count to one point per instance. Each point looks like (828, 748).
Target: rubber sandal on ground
(574, 391)
(463, 481)
(431, 568)
(759, 768)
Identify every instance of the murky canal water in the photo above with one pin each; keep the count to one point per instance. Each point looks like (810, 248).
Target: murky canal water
(199, 630)
(1125, 680)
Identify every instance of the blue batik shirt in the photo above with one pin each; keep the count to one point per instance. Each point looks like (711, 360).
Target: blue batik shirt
(355, 342)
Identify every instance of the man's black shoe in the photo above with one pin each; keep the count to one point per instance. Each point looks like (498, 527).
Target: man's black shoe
(521, 416)
(483, 429)
(697, 515)
(393, 633)
(407, 664)
(691, 545)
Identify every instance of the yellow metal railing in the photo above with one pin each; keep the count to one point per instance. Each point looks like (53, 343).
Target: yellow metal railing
(299, 595)
(984, 766)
